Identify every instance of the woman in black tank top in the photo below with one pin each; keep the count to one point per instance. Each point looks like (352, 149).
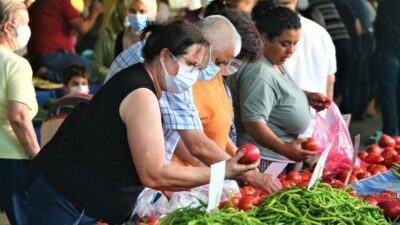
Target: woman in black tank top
(103, 155)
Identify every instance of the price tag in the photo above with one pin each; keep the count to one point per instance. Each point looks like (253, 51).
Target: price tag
(355, 153)
(320, 166)
(276, 168)
(217, 178)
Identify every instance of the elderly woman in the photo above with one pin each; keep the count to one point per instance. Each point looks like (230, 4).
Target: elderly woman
(17, 108)
(139, 13)
(270, 110)
(117, 145)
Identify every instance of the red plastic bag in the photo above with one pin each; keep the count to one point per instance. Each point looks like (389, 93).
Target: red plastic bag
(333, 129)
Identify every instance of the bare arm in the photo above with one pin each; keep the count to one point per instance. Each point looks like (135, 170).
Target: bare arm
(83, 25)
(231, 147)
(330, 85)
(141, 114)
(183, 153)
(264, 136)
(23, 128)
(201, 147)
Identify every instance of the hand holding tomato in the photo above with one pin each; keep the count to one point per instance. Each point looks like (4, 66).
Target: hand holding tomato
(318, 101)
(235, 169)
(310, 144)
(252, 154)
(294, 151)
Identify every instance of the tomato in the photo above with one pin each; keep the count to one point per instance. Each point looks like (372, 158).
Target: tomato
(247, 201)
(381, 168)
(353, 193)
(396, 139)
(389, 152)
(338, 184)
(149, 220)
(389, 192)
(304, 183)
(282, 177)
(391, 208)
(386, 141)
(374, 157)
(305, 176)
(233, 202)
(310, 144)
(373, 148)
(371, 201)
(357, 170)
(294, 176)
(326, 172)
(396, 159)
(342, 175)
(397, 148)
(362, 155)
(101, 223)
(352, 179)
(287, 184)
(374, 171)
(363, 175)
(251, 155)
(247, 190)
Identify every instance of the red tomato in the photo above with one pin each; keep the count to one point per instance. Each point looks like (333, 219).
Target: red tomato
(353, 193)
(329, 180)
(101, 223)
(381, 168)
(391, 193)
(310, 144)
(396, 139)
(305, 176)
(373, 148)
(282, 177)
(251, 155)
(374, 171)
(342, 175)
(363, 175)
(391, 208)
(338, 184)
(304, 183)
(374, 157)
(326, 172)
(352, 179)
(294, 176)
(233, 202)
(389, 152)
(371, 201)
(396, 159)
(247, 190)
(362, 155)
(386, 141)
(287, 184)
(247, 201)
(357, 170)
(397, 148)
(149, 220)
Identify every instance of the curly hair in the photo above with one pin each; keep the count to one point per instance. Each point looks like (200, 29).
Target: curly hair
(272, 20)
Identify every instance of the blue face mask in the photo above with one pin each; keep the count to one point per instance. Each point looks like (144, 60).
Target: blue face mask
(209, 72)
(139, 22)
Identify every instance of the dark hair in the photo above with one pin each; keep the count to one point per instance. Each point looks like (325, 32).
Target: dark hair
(215, 7)
(177, 36)
(252, 45)
(74, 71)
(273, 20)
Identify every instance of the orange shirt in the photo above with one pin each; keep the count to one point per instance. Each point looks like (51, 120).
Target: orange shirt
(215, 109)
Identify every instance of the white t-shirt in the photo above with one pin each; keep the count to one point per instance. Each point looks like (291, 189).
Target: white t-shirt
(314, 58)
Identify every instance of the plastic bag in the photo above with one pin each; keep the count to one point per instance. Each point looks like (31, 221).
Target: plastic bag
(333, 129)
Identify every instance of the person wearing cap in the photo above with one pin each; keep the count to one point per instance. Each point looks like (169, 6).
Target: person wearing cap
(181, 120)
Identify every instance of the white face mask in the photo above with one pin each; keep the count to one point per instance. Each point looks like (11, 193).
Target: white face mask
(23, 35)
(183, 80)
(84, 89)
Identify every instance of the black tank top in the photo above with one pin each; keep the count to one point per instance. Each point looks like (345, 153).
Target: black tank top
(94, 169)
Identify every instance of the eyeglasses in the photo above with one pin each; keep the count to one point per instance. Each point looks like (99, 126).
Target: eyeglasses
(195, 66)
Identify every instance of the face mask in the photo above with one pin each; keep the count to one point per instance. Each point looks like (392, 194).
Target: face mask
(139, 22)
(233, 66)
(23, 35)
(183, 81)
(210, 71)
(84, 89)
(302, 4)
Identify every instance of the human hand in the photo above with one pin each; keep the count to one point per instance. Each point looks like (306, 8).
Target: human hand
(294, 151)
(234, 169)
(262, 181)
(318, 101)
(96, 8)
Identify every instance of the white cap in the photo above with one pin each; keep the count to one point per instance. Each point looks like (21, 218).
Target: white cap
(194, 5)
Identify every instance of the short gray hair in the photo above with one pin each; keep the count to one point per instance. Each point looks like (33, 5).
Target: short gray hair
(221, 32)
(7, 10)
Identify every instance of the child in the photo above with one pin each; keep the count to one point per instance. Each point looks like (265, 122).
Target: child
(76, 79)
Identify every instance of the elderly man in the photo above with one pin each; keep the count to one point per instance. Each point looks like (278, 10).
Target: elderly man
(181, 118)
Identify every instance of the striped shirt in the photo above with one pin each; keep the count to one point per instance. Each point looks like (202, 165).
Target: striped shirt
(325, 13)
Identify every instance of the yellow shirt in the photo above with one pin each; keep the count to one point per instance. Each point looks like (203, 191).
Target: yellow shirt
(15, 85)
(215, 109)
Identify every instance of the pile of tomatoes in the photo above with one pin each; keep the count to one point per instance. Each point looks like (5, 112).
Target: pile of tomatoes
(388, 201)
(249, 196)
(386, 153)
